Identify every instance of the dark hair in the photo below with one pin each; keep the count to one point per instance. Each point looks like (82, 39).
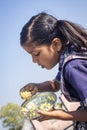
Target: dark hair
(42, 28)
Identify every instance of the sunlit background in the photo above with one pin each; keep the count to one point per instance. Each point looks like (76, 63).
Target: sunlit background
(16, 67)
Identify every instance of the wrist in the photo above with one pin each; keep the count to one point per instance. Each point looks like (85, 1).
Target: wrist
(45, 86)
(52, 83)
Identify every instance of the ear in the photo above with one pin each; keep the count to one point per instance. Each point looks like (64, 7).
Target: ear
(57, 44)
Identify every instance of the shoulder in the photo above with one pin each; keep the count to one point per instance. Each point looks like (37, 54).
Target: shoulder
(75, 65)
(74, 60)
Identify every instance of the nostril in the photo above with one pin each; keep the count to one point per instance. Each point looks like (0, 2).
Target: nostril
(34, 59)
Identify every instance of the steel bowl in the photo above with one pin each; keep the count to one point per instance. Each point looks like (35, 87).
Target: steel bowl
(43, 101)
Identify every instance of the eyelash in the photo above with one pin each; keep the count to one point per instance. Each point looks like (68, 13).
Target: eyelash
(37, 54)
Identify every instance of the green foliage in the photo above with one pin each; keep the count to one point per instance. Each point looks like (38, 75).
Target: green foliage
(10, 116)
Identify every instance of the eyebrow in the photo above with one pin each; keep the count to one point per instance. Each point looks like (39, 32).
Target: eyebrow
(33, 51)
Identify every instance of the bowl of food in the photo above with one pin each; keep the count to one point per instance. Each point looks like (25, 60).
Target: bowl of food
(43, 101)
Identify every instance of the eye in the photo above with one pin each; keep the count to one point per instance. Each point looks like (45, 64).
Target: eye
(37, 54)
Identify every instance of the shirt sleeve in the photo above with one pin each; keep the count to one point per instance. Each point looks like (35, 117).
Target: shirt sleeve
(75, 73)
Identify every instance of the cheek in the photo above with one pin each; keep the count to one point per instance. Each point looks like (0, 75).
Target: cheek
(49, 60)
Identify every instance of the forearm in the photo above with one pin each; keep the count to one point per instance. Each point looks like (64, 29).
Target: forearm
(80, 115)
(48, 86)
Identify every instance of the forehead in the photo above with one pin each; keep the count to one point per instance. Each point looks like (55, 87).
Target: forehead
(33, 48)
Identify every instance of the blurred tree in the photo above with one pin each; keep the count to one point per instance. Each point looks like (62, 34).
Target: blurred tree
(10, 116)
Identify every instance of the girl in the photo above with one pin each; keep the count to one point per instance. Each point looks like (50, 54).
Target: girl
(50, 41)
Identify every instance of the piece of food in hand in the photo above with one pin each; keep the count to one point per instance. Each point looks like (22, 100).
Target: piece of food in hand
(26, 95)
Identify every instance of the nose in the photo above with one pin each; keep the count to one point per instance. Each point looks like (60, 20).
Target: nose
(34, 59)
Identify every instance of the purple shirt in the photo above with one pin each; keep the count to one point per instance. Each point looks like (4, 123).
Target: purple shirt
(75, 79)
(73, 75)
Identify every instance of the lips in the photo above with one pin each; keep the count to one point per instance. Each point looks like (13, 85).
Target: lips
(41, 65)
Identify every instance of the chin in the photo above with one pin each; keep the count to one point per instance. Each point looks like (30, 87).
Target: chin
(49, 68)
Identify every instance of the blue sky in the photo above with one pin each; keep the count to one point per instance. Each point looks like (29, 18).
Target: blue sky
(16, 67)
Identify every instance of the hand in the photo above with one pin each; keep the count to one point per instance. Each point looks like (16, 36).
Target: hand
(54, 114)
(31, 88)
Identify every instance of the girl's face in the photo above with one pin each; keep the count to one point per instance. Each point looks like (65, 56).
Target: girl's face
(45, 56)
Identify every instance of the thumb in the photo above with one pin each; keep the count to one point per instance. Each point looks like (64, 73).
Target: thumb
(45, 113)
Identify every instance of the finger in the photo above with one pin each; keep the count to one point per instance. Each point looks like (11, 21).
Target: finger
(44, 115)
(26, 88)
(30, 87)
(44, 118)
(34, 91)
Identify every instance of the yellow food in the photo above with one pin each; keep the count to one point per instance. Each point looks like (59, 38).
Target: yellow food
(43, 101)
(26, 95)
(23, 109)
(58, 105)
(23, 112)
